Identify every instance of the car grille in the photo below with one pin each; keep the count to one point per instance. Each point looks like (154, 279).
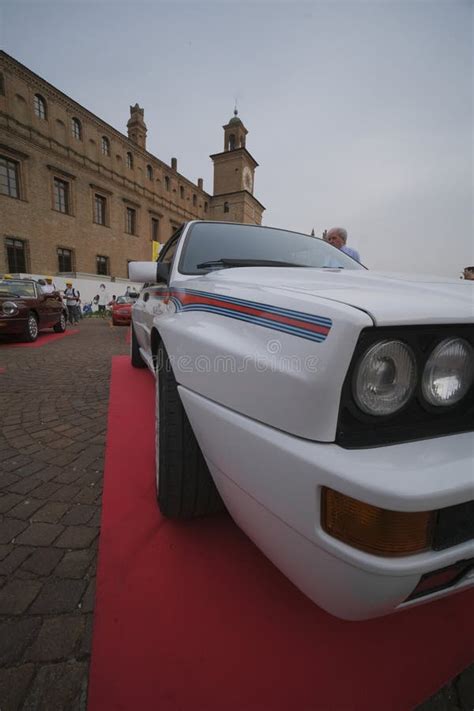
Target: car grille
(454, 525)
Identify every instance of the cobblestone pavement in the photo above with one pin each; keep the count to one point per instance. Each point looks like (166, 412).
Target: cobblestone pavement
(53, 419)
(53, 409)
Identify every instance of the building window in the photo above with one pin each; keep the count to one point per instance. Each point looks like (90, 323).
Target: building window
(105, 146)
(226, 207)
(61, 196)
(76, 129)
(40, 107)
(64, 260)
(181, 192)
(131, 221)
(194, 200)
(149, 172)
(231, 142)
(155, 229)
(129, 161)
(100, 210)
(2, 85)
(9, 177)
(205, 207)
(102, 264)
(167, 183)
(16, 255)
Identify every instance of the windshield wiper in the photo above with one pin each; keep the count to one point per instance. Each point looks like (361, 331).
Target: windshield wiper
(246, 263)
(9, 293)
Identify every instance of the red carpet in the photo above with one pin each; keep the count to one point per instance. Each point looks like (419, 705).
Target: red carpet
(42, 340)
(193, 617)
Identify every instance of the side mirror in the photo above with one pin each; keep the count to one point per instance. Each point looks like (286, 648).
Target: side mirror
(149, 272)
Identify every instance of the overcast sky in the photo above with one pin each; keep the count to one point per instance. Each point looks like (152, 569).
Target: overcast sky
(360, 114)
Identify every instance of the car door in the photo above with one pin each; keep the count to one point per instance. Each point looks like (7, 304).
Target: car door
(150, 302)
(48, 308)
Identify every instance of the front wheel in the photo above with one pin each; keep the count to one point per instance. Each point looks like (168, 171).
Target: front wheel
(31, 328)
(60, 326)
(185, 488)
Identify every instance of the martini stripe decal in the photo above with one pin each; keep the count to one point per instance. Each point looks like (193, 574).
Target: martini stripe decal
(295, 323)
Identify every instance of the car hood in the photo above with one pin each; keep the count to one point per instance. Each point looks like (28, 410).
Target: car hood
(388, 298)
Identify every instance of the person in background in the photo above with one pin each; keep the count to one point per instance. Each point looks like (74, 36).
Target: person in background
(337, 236)
(71, 296)
(469, 273)
(103, 300)
(49, 287)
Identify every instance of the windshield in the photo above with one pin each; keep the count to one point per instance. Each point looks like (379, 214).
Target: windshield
(10, 287)
(123, 300)
(221, 243)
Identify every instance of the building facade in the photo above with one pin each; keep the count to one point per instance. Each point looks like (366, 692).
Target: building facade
(76, 195)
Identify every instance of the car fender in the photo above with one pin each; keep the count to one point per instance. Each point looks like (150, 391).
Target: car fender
(289, 382)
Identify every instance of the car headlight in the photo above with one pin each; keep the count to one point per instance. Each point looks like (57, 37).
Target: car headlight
(385, 378)
(448, 372)
(9, 308)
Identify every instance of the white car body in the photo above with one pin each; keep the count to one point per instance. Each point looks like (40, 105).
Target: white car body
(263, 398)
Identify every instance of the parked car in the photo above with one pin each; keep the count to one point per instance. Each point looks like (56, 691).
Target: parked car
(25, 309)
(329, 407)
(122, 310)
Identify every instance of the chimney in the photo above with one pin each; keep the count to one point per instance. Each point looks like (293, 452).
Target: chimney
(136, 126)
(200, 184)
(174, 164)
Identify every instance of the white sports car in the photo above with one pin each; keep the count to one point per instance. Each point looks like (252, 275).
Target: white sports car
(329, 407)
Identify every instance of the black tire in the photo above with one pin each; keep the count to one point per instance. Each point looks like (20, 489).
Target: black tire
(60, 326)
(185, 488)
(31, 328)
(135, 355)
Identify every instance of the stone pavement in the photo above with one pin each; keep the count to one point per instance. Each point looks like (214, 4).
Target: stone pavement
(53, 419)
(53, 410)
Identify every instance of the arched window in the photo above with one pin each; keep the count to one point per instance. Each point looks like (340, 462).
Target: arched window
(129, 160)
(149, 172)
(167, 183)
(105, 146)
(76, 128)
(40, 107)
(226, 207)
(181, 192)
(194, 200)
(231, 142)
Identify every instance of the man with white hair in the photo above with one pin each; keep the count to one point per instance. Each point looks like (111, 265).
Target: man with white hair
(337, 236)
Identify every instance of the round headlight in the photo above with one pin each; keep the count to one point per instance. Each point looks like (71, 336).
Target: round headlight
(448, 372)
(385, 378)
(9, 308)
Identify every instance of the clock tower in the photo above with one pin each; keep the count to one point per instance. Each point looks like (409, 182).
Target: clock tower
(234, 170)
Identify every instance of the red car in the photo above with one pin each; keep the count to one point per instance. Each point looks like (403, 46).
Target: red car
(25, 309)
(122, 311)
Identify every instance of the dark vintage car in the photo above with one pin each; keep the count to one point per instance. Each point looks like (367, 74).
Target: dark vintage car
(25, 309)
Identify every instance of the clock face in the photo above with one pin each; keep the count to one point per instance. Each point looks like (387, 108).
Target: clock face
(247, 179)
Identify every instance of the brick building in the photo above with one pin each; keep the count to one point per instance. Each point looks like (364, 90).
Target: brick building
(76, 195)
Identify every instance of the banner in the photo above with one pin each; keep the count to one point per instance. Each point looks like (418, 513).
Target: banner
(156, 246)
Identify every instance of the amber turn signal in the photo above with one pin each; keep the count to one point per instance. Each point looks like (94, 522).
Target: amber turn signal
(374, 530)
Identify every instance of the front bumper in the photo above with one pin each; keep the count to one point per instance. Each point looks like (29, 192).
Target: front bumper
(12, 325)
(121, 319)
(271, 483)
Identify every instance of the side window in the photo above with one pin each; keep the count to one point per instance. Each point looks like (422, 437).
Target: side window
(169, 252)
